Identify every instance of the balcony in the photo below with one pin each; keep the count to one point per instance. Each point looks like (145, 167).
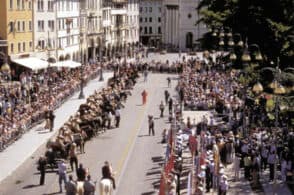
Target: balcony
(119, 1)
(121, 11)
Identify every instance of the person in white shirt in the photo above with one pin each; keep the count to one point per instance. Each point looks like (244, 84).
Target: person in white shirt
(62, 174)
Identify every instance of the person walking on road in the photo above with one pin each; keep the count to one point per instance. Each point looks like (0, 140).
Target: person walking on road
(89, 186)
(161, 108)
(168, 82)
(144, 97)
(71, 186)
(117, 117)
(73, 157)
(62, 174)
(81, 173)
(166, 96)
(42, 168)
(145, 75)
(151, 125)
(170, 105)
(107, 173)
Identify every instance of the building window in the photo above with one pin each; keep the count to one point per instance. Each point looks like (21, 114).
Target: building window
(41, 44)
(150, 9)
(146, 9)
(159, 9)
(30, 25)
(159, 30)
(11, 4)
(30, 5)
(23, 26)
(50, 6)
(18, 26)
(18, 4)
(146, 19)
(40, 5)
(141, 9)
(189, 15)
(23, 4)
(51, 25)
(145, 30)
(159, 19)
(150, 19)
(40, 25)
(24, 46)
(141, 19)
(150, 30)
(11, 48)
(141, 29)
(31, 45)
(11, 26)
(19, 47)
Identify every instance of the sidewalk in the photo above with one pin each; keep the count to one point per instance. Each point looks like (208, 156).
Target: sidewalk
(18, 152)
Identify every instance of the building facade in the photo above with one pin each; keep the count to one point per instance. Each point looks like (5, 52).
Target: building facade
(16, 28)
(68, 30)
(44, 17)
(151, 22)
(121, 26)
(180, 30)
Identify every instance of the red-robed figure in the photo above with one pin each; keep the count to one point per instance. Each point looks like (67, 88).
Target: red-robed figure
(144, 97)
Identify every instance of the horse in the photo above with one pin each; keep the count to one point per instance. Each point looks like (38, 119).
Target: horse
(80, 188)
(106, 187)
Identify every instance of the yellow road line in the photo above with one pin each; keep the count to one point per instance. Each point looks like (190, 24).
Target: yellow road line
(133, 136)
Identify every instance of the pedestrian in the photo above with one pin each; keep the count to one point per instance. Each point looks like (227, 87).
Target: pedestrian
(168, 82)
(161, 108)
(145, 75)
(73, 157)
(144, 96)
(62, 174)
(117, 117)
(42, 168)
(237, 166)
(166, 96)
(89, 186)
(51, 117)
(107, 173)
(170, 105)
(81, 173)
(224, 185)
(151, 125)
(71, 186)
(272, 158)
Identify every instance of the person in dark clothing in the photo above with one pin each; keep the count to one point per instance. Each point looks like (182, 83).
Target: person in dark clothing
(151, 125)
(170, 105)
(161, 108)
(166, 96)
(81, 173)
(42, 168)
(107, 173)
(50, 118)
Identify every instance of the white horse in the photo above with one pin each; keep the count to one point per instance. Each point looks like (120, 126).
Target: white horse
(80, 188)
(106, 187)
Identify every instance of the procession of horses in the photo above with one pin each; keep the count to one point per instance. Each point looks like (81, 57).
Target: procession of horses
(93, 118)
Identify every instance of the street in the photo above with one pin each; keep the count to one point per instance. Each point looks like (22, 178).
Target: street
(135, 156)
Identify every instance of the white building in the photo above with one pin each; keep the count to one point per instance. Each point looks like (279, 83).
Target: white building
(151, 22)
(44, 28)
(68, 32)
(121, 26)
(179, 24)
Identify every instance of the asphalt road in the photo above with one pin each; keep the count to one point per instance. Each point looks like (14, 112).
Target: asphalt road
(135, 156)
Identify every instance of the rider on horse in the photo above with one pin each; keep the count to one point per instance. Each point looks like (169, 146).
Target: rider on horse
(107, 173)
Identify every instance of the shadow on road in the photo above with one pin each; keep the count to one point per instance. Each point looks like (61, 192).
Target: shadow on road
(147, 135)
(30, 186)
(148, 193)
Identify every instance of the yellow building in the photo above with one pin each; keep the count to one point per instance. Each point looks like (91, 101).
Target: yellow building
(16, 26)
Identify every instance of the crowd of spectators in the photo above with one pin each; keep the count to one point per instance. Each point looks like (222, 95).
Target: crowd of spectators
(253, 150)
(23, 103)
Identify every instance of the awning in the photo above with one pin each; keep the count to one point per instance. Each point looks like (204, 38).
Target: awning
(67, 64)
(32, 63)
